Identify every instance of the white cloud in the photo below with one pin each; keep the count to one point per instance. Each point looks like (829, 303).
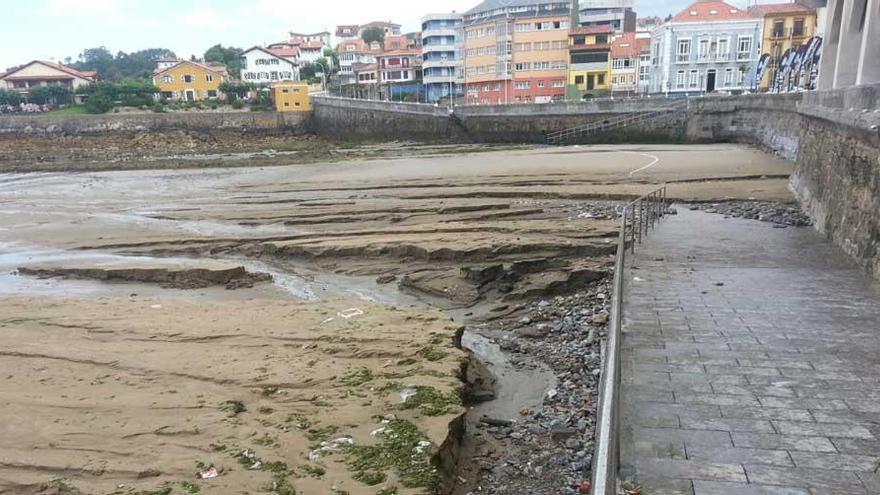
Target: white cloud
(206, 19)
(81, 8)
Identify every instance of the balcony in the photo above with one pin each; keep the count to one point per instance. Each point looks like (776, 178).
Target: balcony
(447, 31)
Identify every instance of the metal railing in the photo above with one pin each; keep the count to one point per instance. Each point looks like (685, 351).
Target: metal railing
(636, 220)
(629, 119)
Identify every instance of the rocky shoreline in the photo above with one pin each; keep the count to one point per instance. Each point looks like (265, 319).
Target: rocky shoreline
(781, 215)
(548, 449)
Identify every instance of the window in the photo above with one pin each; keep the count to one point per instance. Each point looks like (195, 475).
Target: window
(744, 49)
(558, 84)
(723, 49)
(579, 40)
(540, 84)
(779, 28)
(167, 79)
(602, 39)
(684, 51)
(728, 76)
(524, 85)
(187, 79)
(680, 82)
(694, 79)
(589, 58)
(209, 78)
(167, 95)
(212, 93)
(286, 104)
(601, 80)
(578, 79)
(705, 52)
(798, 27)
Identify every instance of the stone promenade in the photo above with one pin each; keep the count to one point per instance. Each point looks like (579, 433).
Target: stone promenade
(751, 363)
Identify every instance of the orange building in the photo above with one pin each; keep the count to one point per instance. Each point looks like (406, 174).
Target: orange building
(516, 51)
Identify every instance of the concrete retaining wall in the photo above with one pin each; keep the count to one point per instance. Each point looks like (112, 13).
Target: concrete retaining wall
(488, 124)
(268, 122)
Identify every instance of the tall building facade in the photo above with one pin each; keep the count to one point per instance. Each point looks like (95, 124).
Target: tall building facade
(786, 26)
(851, 53)
(442, 42)
(616, 14)
(709, 46)
(516, 51)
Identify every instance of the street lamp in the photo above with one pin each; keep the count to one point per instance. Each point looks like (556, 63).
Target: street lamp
(324, 70)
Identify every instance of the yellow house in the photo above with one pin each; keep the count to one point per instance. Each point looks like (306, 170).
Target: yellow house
(786, 25)
(291, 97)
(190, 81)
(589, 70)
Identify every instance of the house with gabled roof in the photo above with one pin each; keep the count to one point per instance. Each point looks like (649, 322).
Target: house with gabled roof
(190, 81)
(268, 65)
(45, 73)
(707, 47)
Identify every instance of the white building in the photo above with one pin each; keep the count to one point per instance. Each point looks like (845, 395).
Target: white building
(442, 43)
(354, 52)
(709, 46)
(264, 66)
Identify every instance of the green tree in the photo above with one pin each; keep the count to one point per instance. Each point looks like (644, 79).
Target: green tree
(235, 91)
(8, 97)
(54, 94)
(103, 96)
(373, 34)
(122, 66)
(229, 56)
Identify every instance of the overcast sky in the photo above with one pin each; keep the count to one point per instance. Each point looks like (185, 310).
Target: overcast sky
(55, 29)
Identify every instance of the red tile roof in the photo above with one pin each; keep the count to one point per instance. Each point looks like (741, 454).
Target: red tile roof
(87, 75)
(592, 30)
(780, 8)
(217, 69)
(625, 46)
(709, 10)
(284, 52)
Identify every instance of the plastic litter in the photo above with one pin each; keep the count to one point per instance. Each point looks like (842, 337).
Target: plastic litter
(209, 473)
(351, 313)
(407, 393)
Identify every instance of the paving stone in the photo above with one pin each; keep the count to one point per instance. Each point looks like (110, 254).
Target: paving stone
(840, 482)
(667, 487)
(804, 403)
(728, 424)
(732, 455)
(823, 429)
(857, 446)
(689, 437)
(841, 462)
(691, 470)
(717, 399)
(766, 413)
(702, 487)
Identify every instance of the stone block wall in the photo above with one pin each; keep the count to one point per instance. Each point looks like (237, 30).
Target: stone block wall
(267, 122)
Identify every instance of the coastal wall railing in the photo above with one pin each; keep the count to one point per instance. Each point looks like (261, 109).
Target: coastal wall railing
(636, 220)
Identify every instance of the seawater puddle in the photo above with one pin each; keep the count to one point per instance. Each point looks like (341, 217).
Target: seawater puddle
(515, 388)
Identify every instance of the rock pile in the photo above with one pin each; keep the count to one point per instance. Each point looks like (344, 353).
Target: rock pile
(780, 214)
(549, 449)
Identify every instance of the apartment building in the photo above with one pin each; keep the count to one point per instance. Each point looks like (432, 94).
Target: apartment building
(786, 26)
(709, 46)
(353, 52)
(516, 51)
(590, 60)
(617, 14)
(442, 41)
(628, 54)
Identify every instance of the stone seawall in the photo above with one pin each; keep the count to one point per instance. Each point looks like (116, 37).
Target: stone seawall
(837, 173)
(266, 122)
(520, 123)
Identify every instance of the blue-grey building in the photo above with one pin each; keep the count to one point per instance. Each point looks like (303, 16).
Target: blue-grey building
(442, 39)
(710, 46)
